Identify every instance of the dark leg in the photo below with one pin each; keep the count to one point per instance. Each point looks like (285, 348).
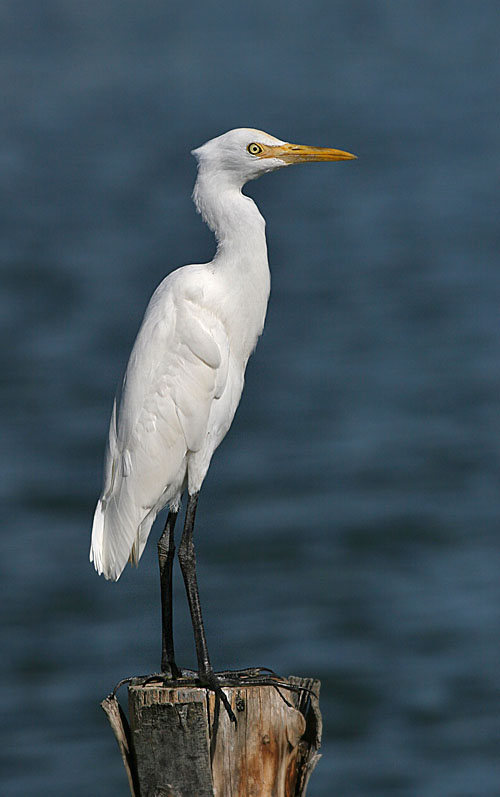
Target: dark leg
(166, 552)
(187, 559)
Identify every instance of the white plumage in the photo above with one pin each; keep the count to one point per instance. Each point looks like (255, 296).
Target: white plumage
(185, 374)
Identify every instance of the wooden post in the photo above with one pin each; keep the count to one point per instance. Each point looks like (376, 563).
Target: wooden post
(173, 748)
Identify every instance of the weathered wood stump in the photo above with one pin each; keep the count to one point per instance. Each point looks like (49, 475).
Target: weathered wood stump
(174, 748)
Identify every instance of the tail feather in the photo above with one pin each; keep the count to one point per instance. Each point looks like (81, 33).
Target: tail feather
(116, 518)
(96, 544)
(119, 534)
(114, 535)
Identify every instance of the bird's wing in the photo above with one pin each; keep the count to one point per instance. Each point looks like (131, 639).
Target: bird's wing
(199, 374)
(177, 368)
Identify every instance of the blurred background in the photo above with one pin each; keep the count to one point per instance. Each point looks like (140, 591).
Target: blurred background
(348, 528)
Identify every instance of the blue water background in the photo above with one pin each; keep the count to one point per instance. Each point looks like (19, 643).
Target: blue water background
(349, 525)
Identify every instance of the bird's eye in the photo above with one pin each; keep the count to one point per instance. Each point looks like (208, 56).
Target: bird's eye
(254, 149)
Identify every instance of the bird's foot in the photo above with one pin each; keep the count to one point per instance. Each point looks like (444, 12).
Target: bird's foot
(184, 678)
(248, 673)
(210, 680)
(261, 676)
(207, 680)
(250, 676)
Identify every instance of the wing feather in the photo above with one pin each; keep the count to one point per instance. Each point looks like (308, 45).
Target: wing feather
(177, 368)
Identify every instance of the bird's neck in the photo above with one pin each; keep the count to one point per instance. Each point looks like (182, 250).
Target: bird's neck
(235, 219)
(240, 262)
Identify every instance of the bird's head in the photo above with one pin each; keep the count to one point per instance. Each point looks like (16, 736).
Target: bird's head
(244, 154)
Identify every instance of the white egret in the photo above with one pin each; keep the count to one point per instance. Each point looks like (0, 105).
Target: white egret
(185, 375)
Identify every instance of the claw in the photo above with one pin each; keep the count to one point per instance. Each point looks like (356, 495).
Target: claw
(211, 681)
(219, 694)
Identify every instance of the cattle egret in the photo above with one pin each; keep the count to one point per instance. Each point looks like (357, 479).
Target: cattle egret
(185, 376)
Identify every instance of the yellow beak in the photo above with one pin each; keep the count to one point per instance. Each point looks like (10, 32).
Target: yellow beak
(298, 153)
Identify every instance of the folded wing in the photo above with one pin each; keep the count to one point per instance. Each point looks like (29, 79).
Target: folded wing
(177, 369)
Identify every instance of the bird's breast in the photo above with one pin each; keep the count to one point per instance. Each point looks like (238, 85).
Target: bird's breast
(242, 307)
